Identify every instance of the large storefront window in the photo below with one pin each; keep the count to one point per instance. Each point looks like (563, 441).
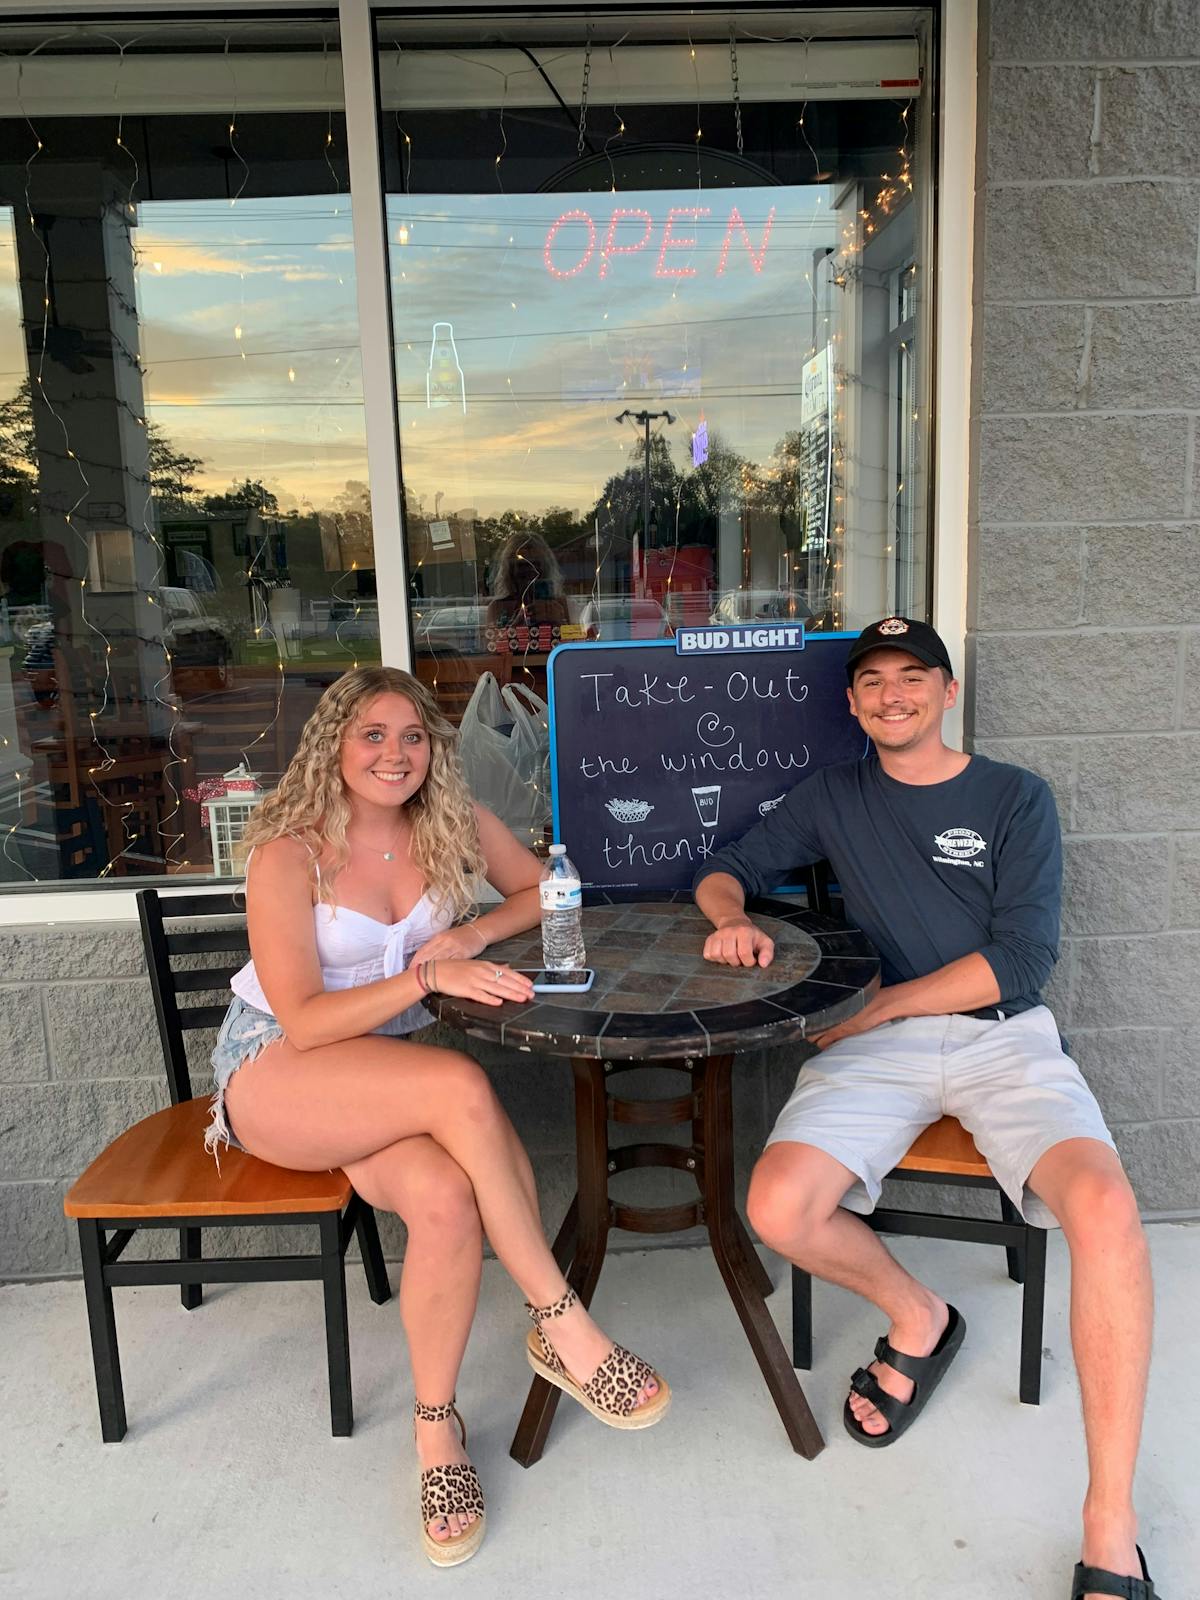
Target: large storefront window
(660, 316)
(185, 528)
(659, 303)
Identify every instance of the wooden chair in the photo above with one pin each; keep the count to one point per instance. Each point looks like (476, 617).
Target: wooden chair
(114, 789)
(252, 719)
(158, 1174)
(946, 1153)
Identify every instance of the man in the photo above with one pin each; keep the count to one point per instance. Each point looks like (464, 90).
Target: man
(951, 864)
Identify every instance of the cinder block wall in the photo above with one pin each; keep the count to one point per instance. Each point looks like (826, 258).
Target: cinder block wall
(1085, 553)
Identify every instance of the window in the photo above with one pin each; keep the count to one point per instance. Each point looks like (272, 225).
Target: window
(650, 360)
(186, 550)
(660, 317)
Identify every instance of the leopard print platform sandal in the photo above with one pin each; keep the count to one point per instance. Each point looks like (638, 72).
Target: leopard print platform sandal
(611, 1393)
(452, 1490)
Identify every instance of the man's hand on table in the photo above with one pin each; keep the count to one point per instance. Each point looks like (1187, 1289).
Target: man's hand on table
(736, 942)
(961, 985)
(880, 1009)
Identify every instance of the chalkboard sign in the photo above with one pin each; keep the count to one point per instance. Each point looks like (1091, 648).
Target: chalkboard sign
(658, 759)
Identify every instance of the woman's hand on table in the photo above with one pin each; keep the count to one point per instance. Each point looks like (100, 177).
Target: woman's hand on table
(484, 981)
(736, 942)
(463, 943)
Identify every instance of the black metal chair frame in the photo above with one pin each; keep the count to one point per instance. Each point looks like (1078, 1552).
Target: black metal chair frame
(103, 1240)
(1024, 1246)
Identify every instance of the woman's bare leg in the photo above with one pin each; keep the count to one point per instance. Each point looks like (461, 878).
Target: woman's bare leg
(337, 1104)
(439, 1286)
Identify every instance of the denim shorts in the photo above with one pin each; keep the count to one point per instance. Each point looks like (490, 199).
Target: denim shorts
(244, 1033)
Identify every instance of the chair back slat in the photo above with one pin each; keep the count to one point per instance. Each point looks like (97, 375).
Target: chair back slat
(193, 1017)
(201, 943)
(207, 980)
(175, 906)
(168, 982)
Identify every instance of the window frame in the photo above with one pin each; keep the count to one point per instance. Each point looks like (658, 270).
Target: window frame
(954, 74)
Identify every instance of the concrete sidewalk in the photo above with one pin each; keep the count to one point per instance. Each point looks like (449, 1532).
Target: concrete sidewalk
(229, 1484)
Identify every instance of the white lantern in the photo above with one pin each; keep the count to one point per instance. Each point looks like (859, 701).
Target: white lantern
(228, 815)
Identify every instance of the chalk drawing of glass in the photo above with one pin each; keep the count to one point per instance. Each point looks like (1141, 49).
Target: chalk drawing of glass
(708, 803)
(444, 381)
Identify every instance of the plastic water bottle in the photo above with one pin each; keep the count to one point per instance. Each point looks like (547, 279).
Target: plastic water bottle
(562, 913)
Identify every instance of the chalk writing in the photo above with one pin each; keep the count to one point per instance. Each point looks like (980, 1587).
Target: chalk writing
(657, 761)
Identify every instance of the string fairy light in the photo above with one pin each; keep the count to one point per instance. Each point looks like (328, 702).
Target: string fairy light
(895, 191)
(143, 527)
(404, 232)
(170, 701)
(38, 395)
(696, 81)
(104, 760)
(503, 135)
(232, 131)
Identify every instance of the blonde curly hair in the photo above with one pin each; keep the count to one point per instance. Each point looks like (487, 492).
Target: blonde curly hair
(310, 803)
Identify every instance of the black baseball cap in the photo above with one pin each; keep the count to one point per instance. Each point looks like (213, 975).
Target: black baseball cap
(900, 633)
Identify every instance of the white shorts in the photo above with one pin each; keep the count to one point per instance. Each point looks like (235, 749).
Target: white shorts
(866, 1098)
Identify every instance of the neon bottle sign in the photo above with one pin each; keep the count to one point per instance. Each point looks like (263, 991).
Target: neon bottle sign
(570, 247)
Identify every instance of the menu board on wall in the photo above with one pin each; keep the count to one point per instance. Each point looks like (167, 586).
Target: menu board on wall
(658, 759)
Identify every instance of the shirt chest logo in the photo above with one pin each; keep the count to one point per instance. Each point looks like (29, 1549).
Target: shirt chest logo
(959, 844)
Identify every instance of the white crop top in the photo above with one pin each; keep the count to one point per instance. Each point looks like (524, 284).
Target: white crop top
(354, 949)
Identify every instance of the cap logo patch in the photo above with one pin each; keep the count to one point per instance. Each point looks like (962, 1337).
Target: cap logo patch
(892, 626)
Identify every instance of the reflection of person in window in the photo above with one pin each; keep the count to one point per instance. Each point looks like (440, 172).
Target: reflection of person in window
(526, 585)
(35, 576)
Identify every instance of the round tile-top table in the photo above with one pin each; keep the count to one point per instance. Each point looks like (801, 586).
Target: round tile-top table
(655, 999)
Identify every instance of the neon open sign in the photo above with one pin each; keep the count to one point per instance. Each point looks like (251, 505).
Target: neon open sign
(573, 241)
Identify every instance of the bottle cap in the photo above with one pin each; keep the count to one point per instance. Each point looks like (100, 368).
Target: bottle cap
(558, 849)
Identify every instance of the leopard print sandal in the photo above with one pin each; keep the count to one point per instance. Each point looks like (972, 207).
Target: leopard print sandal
(452, 1490)
(611, 1393)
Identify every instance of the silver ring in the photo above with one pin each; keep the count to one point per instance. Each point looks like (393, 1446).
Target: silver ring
(496, 973)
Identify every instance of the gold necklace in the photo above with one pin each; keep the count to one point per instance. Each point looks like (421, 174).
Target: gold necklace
(388, 855)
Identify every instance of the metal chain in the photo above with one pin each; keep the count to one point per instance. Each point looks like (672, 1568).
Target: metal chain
(583, 96)
(737, 94)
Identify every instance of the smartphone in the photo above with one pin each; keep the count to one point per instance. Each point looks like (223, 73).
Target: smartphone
(575, 981)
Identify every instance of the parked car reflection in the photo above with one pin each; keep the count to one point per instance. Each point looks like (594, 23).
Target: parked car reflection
(625, 617)
(451, 624)
(761, 605)
(196, 638)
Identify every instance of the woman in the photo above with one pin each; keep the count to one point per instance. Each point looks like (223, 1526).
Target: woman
(526, 585)
(359, 899)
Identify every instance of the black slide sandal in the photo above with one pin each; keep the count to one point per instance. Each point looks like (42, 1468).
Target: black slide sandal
(926, 1373)
(1098, 1580)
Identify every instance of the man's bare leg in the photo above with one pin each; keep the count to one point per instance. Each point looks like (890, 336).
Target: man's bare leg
(795, 1207)
(1112, 1311)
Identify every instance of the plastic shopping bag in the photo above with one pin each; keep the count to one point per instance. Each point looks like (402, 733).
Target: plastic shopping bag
(493, 753)
(529, 742)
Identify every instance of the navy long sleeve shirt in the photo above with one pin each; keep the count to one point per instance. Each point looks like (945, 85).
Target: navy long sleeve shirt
(929, 872)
